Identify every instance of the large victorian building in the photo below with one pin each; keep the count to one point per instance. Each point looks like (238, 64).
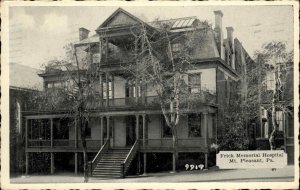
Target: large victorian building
(126, 132)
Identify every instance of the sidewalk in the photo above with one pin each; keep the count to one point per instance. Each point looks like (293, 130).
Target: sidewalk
(212, 175)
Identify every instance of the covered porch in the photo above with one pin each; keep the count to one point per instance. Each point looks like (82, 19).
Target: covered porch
(122, 129)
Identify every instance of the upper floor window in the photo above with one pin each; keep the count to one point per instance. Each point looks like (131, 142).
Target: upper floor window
(113, 51)
(195, 82)
(270, 80)
(176, 47)
(131, 90)
(96, 58)
(55, 84)
(107, 87)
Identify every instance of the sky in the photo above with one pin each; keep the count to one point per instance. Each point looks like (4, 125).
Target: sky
(38, 34)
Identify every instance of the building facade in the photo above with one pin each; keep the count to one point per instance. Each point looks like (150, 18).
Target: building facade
(283, 95)
(21, 88)
(126, 132)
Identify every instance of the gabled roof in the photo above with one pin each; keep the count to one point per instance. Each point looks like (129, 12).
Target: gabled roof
(131, 19)
(24, 77)
(92, 39)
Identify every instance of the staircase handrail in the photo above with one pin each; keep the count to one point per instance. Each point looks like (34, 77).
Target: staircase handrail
(129, 156)
(102, 150)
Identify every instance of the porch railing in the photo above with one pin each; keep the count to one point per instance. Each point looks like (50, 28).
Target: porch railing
(129, 101)
(63, 143)
(91, 144)
(39, 143)
(125, 165)
(191, 143)
(98, 156)
(167, 143)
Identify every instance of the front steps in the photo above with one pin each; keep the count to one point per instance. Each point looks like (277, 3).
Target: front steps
(109, 165)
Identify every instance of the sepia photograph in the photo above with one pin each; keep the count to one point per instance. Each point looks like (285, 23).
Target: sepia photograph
(134, 95)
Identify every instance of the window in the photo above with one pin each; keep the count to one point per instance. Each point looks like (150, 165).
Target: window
(130, 89)
(270, 80)
(55, 84)
(113, 51)
(194, 123)
(61, 128)
(88, 132)
(166, 130)
(176, 47)
(96, 58)
(109, 90)
(289, 125)
(39, 129)
(279, 120)
(195, 83)
(263, 130)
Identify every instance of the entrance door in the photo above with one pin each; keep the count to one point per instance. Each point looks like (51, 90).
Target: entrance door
(130, 130)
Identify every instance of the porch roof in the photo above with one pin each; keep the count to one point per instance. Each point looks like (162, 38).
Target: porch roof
(97, 113)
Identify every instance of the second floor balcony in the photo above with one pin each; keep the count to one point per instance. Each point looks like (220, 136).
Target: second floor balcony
(152, 102)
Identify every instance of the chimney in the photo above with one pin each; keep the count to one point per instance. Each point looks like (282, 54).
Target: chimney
(229, 34)
(218, 29)
(231, 44)
(83, 33)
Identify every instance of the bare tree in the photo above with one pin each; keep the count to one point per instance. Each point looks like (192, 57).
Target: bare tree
(77, 92)
(275, 61)
(162, 68)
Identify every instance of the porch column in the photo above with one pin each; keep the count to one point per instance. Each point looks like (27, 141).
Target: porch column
(106, 49)
(205, 160)
(112, 87)
(26, 133)
(90, 55)
(138, 163)
(145, 163)
(26, 163)
(144, 130)
(101, 130)
(216, 126)
(51, 131)
(174, 158)
(136, 48)
(205, 128)
(284, 130)
(143, 93)
(52, 163)
(137, 127)
(76, 132)
(101, 89)
(205, 138)
(76, 163)
(107, 127)
(107, 89)
(136, 91)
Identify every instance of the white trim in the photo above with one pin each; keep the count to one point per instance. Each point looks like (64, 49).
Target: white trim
(227, 74)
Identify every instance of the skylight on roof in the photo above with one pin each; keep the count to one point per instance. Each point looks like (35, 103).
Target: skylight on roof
(183, 23)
